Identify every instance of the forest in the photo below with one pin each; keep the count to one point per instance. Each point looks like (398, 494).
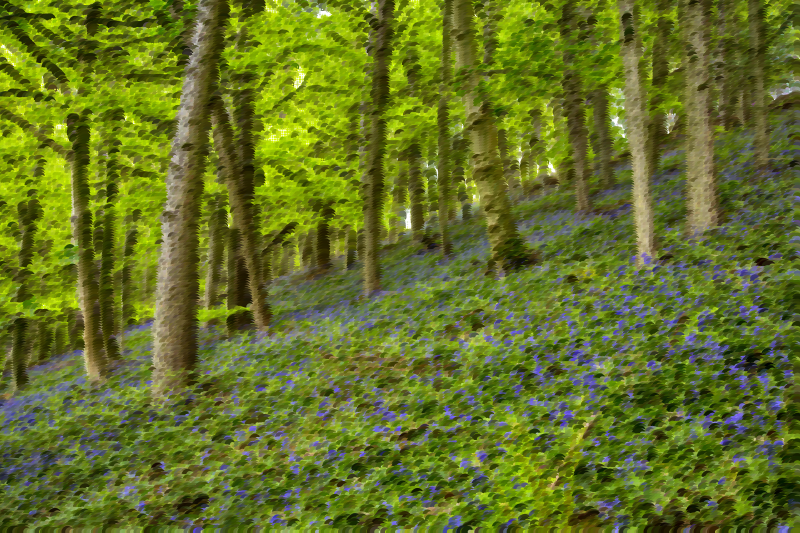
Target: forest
(391, 264)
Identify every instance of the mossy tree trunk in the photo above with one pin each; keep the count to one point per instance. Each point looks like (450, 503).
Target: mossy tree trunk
(508, 250)
(175, 330)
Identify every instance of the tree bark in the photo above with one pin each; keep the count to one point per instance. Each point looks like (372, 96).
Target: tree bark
(726, 88)
(175, 329)
(128, 293)
(323, 244)
(416, 192)
(508, 250)
(217, 233)
(574, 109)
(636, 131)
(602, 125)
(352, 248)
(240, 194)
(94, 357)
(700, 167)
(443, 123)
(759, 106)
(657, 125)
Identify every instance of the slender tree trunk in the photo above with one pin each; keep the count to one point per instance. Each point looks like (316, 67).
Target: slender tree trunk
(94, 357)
(58, 340)
(443, 123)
(508, 250)
(128, 292)
(602, 125)
(308, 256)
(657, 124)
(758, 55)
(175, 331)
(700, 168)
(45, 338)
(399, 201)
(107, 299)
(352, 246)
(574, 110)
(323, 244)
(240, 194)
(416, 193)
(217, 233)
(238, 294)
(727, 98)
(360, 244)
(287, 257)
(636, 132)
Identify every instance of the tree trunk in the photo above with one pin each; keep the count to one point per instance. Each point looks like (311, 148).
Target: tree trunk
(456, 168)
(308, 256)
(240, 194)
(360, 244)
(287, 260)
(726, 89)
(700, 168)
(660, 63)
(107, 296)
(759, 105)
(636, 132)
(508, 250)
(238, 293)
(416, 193)
(323, 244)
(399, 200)
(217, 233)
(373, 184)
(352, 246)
(443, 123)
(175, 331)
(128, 293)
(574, 110)
(602, 125)
(45, 338)
(94, 357)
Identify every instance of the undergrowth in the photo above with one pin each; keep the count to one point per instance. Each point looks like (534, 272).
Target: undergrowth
(579, 392)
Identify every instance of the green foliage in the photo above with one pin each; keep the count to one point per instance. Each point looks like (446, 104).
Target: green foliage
(580, 392)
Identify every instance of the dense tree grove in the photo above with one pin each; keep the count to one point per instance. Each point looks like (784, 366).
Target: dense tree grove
(156, 152)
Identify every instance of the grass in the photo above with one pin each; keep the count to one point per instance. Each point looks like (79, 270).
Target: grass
(578, 392)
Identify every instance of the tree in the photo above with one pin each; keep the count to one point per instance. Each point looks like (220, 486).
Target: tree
(758, 52)
(175, 328)
(508, 249)
(636, 130)
(700, 166)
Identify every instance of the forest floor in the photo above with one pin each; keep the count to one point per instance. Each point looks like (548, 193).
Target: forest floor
(579, 392)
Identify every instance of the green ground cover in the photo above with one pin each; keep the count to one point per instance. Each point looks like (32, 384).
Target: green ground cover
(580, 392)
